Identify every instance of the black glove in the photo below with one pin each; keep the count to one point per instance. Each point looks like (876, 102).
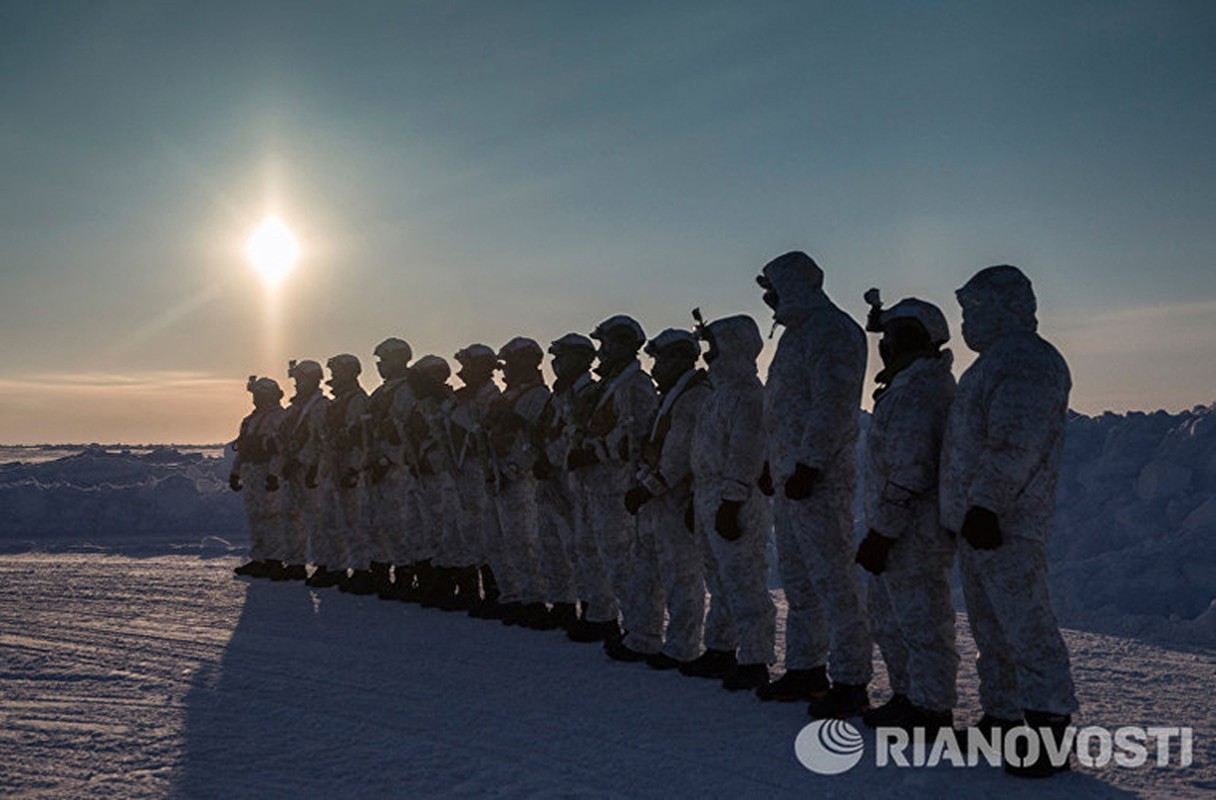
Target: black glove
(690, 517)
(379, 469)
(981, 529)
(637, 497)
(726, 521)
(542, 470)
(310, 477)
(800, 484)
(350, 478)
(582, 457)
(766, 482)
(873, 551)
(234, 482)
(272, 483)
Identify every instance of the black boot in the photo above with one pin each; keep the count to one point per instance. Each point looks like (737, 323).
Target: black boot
(842, 701)
(392, 591)
(508, 613)
(990, 726)
(361, 582)
(561, 616)
(617, 650)
(294, 572)
(274, 570)
(534, 616)
(407, 579)
(933, 722)
(745, 677)
(890, 714)
(382, 578)
(797, 685)
(253, 569)
(465, 596)
(486, 605)
(426, 578)
(712, 664)
(323, 577)
(586, 632)
(443, 586)
(661, 661)
(1047, 727)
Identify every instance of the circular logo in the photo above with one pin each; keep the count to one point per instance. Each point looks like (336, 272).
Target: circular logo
(829, 746)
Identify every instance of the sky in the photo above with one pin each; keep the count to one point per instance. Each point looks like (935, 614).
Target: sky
(461, 172)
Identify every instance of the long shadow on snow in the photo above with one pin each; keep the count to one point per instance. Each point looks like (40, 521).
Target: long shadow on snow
(320, 693)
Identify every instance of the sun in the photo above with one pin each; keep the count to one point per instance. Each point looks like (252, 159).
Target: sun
(273, 250)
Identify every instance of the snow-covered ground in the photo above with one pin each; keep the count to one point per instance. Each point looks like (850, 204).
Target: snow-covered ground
(160, 676)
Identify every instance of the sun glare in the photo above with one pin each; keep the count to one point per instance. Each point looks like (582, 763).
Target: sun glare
(273, 250)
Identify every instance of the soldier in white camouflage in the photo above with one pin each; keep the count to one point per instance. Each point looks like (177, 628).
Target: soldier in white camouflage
(812, 403)
(668, 564)
(564, 494)
(1000, 465)
(517, 443)
(344, 538)
(439, 503)
(479, 518)
(302, 443)
(727, 458)
(609, 452)
(907, 550)
(393, 516)
(555, 510)
(255, 470)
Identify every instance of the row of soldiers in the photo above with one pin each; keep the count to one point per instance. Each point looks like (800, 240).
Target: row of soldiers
(610, 504)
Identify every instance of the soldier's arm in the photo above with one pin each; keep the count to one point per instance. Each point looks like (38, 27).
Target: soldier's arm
(745, 449)
(675, 464)
(907, 460)
(838, 374)
(1026, 415)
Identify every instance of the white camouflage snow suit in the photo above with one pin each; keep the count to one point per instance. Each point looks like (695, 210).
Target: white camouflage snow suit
(257, 457)
(727, 457)
(669, 559)
(439, 538)
(515, 437)
(812, 402)
(301, 440)
(394, 519)
(1002, 452)
(910, 605)
(344, 539)
(479, 518)
(615, 431)
(571, 407)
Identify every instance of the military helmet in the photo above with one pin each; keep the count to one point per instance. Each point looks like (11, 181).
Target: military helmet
(521, 349)
(394, 349)
(475, 353)
(620, 325)
(928, 315)
(344, 362)
(433, 367)
(677, 339)
(263, 386)
(304, 370)
(571, 341)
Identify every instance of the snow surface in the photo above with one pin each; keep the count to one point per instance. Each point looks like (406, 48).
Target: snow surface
(166, 676)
